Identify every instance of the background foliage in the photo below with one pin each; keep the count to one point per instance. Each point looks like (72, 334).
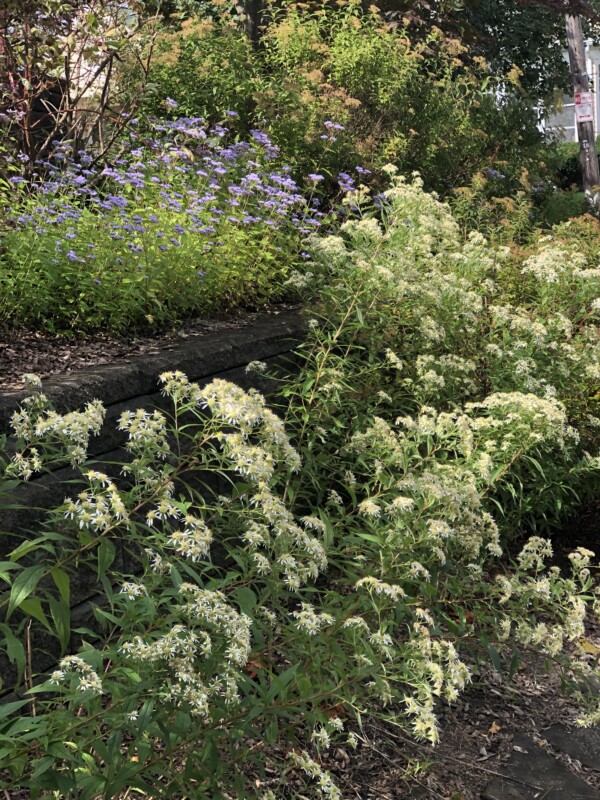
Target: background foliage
(396, 97)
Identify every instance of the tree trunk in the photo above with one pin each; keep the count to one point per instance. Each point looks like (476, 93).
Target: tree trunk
(252, 11)
(585, 127)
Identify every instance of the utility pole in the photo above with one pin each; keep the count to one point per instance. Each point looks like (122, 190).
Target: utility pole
(584, 110)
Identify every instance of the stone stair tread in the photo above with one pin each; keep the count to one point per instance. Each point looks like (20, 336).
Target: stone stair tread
(533, 774)
(580, 743)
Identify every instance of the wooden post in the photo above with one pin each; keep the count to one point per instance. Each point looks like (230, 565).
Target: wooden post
(585, 128)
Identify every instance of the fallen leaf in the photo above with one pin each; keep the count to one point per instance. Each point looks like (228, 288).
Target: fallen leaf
(587, 647)
(494, 728)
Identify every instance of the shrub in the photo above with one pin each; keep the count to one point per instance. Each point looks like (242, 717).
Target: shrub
(340, 88)
(483, 320)
(202, 659)
(567, 166)
(208, 69)
(484, 207)
(182, 223)
(562, 206)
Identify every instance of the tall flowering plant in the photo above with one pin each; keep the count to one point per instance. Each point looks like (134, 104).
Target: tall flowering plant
(290, 575)
(259, 613)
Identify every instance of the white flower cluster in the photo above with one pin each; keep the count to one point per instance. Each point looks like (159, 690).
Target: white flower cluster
(375, 586)
(133, 590)
(194, 540)
(456, 523)
(36, 424)
(99, 508)
(512, 422)
(179, 649)
(147, 433)
(248, 412)
(551, 263)
(555, 605)
(212, 609)
(324, 782)
(309, 622)
(278, 540)
(183, 650)
(438, 672)
(363, 230)
(87, 677)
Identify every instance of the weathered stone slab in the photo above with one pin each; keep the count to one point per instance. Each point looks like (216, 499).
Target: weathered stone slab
(580, 743)
(533, 774)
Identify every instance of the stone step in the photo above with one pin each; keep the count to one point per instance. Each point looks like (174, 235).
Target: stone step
(533, 774)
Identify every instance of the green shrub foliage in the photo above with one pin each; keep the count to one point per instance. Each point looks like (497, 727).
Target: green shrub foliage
(185, 221)
(339, 88)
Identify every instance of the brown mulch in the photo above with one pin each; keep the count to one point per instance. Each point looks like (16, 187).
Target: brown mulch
(47, 354)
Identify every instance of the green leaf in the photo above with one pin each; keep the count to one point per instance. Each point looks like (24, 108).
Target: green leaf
(100, 614)
(24, 585)
(5, 568)
(42, 765)
(145, 716)
(123, 779)
(14, 650)
(493, 654)
(41, 542)
(106, 556)
(246, 599)
(6, 709)
(280, 683)
(369, 537)
(514, 663)
(32, 606)
(210, 755)
(61, 579)
(272, 731)
(61, 616)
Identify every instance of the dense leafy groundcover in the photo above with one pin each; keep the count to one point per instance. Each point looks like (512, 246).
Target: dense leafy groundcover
(356, 554)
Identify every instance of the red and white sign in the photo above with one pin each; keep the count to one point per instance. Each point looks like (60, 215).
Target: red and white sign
(584, 107)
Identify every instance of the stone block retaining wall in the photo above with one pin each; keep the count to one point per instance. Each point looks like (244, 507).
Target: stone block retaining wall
(131, 384)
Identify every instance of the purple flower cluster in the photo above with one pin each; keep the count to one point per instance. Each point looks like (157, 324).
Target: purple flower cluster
(179, 210)
(346, 182)
(181, 185)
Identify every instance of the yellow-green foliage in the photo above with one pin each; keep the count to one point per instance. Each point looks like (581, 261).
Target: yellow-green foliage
(413, 103)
